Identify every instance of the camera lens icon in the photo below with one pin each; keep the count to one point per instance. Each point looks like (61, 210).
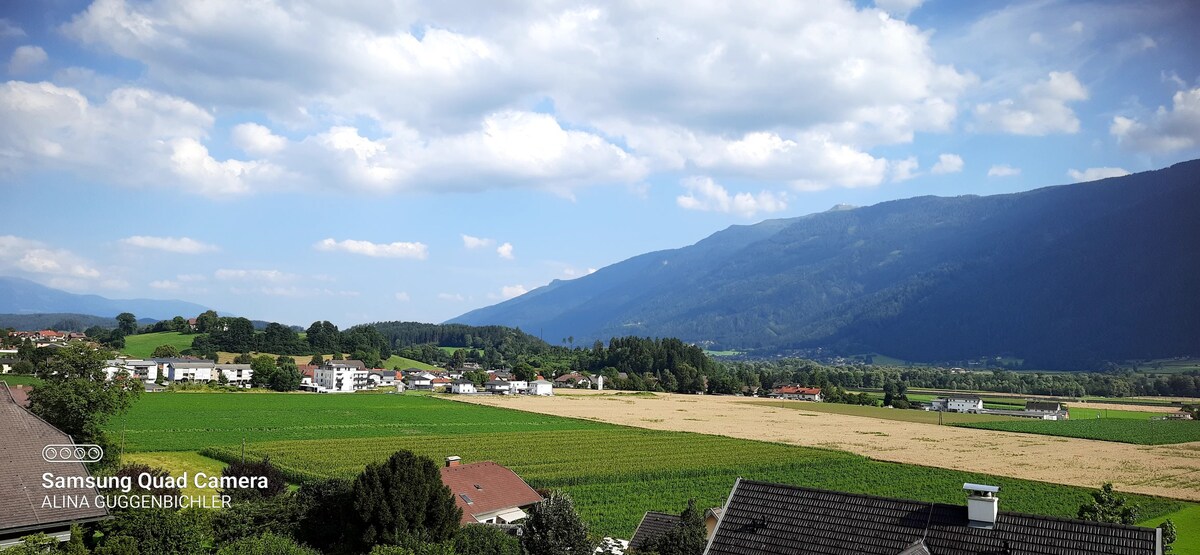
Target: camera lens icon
(85, 453)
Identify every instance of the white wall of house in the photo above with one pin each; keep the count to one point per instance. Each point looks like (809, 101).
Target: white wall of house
(189, 371)
(541, 387)
(341, 379)
(463, 388)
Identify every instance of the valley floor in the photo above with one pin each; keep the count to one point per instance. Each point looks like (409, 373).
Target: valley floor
(1162, 470)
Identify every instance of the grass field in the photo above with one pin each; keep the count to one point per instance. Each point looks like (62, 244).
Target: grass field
(143, 345)
(922, 416)
(19, 379)
(1124, 430)
(397, 362)
(615, 473)
(178, 462)
(1187, 524)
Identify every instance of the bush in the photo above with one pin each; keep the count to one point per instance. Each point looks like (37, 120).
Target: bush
(266, 544)
(276, 483)
(404, 499)
(481, 539)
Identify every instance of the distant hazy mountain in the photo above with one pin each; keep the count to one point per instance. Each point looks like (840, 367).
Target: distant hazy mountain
(1064, 277)
(21, 296)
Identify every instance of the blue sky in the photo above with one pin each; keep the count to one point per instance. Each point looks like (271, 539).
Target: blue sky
(412, 161)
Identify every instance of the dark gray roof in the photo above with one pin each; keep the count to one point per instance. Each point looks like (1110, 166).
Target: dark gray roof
(1043, 405)
(765, 518)
(23, 436)
(652, 527)
(496, 382)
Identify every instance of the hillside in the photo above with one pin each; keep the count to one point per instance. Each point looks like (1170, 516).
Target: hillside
(21, 296)
(1063, 277)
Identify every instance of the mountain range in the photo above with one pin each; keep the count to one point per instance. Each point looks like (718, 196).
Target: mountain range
(1063, 277)
(21, 296)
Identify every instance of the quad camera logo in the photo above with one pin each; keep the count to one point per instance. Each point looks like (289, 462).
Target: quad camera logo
(83, 453)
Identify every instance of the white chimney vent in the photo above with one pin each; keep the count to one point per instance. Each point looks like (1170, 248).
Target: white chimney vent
(982, 505)
(453, 461)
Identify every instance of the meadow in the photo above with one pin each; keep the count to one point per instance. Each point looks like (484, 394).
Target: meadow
(143, 345)
(614, 472)
(20, 379)
(1123, 430)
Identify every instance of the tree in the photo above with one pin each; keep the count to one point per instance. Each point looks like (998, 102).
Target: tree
(75, 397)
(403, 499)
(1108, 506)
(689, 537)
(244, 358)
(35, 544)
(276, 482)
(180, 325)
(165, 351)
(161, 530)
(23, 367)
(127, 323)
(481, 539)
(207, 322)
(554, 528)
(266, 544)
(264, 368)
(317, 360)
(1169, 535)
(75, 545)
(325, 518)
(254, 517)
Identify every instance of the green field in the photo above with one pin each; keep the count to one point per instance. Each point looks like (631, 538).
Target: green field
(397, 362)
(1123, 430)
(615, 473)
(143, 345)
(1187, 524)
(450, 350)
(20, 379)
(179, 461)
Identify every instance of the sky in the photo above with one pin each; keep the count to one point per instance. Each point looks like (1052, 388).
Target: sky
(370, 161)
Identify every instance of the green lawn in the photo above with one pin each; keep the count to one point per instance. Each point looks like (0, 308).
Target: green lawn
(450, 350)
(615, 473)
(143, 345)
(20, 379)
(922, 416)
(178, 462)
(1187, 524)
(1123, 430)
(397, 362)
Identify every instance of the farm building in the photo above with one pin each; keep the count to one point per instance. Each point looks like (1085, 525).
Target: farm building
(23, 507)
(957, 403)
(1047, 410)
(488, 492)
(541, 387)
(797, 393)
(766, 518)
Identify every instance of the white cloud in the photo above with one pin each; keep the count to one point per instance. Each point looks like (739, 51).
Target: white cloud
(25, 59)
(571, 273)
(476, 242)
(724, 79)
(456, 297)
(402, 297)
(704, 194)
(505, 251)
(21, 255)
(257, 140)
(182, 245)
(1093, 174)
(948, 163)
(273, 276)
(1003, 170)
(510, 291)
(165, 284)
(398, 249)
(1041, 109)
(292, 291)
(188, 278)
(899, 8)
(1168, 130)
(9, 30)
(903, 170)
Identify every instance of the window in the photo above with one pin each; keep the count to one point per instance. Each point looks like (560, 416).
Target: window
(466, 498)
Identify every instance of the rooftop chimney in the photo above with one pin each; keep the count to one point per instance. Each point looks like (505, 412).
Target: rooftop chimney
(453, 461)
(982, 505)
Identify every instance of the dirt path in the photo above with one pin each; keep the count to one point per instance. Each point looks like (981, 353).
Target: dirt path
(1165, 470)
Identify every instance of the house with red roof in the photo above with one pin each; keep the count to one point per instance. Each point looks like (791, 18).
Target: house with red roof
(797, 392)
(488, 492)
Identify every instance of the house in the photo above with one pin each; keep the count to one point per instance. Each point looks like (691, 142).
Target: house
(189, 370)
(574, 379)
(711, 517)
(308, 373)
(653, 526)
(420, 381)
(541, 387)
(23, 498)
(505, 375)
(518, 386)
(1047, 410)
(381, 378)
(6, 365)
(798, 393)
(51, 335)
(767, 518)
(191, 322)
(498, 387)
(235, 374)
(957, 403)
(463, 386)
(145, 370)
(488, 492)
(440, 383)
(341, 376)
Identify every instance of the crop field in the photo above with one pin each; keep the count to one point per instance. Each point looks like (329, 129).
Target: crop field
(615, 474)
(1123, 430)
(923, 416)
(191, 421)
(143, 345)
(397, 362)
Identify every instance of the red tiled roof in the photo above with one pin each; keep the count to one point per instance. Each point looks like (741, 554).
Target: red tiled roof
(307, 370)
(49, 333)
(796, 390)
(20, 394)
(440, 380)
(490, 486)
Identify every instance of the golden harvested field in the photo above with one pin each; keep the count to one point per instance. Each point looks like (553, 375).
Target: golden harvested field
(1165, 470)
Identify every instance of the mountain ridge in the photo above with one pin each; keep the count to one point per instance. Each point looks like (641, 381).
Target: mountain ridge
(925, 278)
(22, 296)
